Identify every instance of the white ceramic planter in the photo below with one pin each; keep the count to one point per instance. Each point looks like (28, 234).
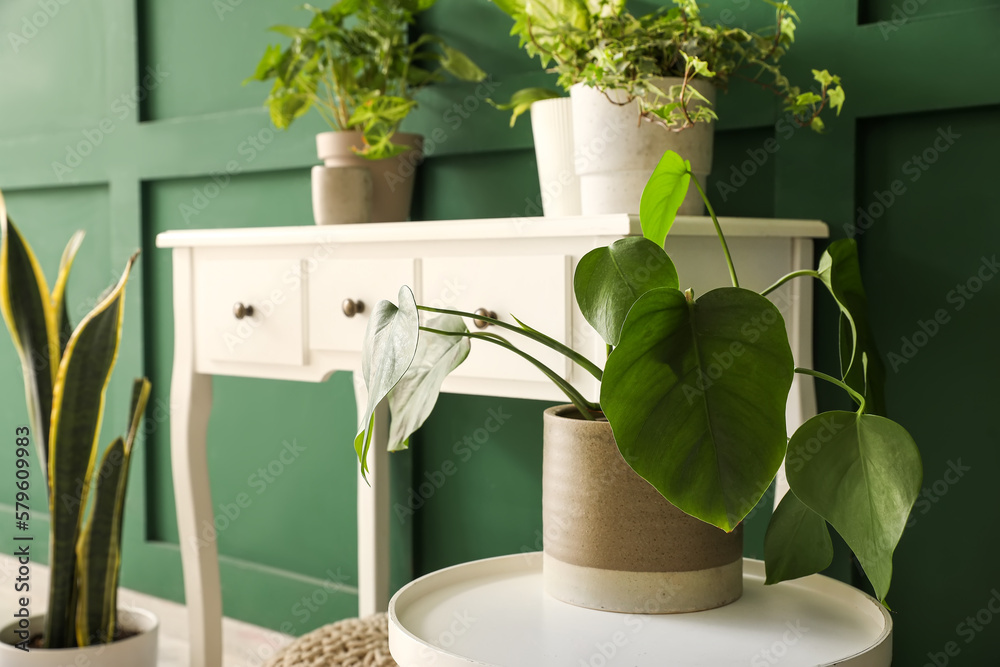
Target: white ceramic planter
(341, 195)
(552, 128)
(138, 650)
(615, 153)
(612, 542)
(392, 179)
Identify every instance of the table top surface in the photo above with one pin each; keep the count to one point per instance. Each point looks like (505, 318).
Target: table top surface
(495, 612)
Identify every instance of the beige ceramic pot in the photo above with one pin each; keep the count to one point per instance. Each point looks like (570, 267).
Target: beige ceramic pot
(615, 153)
(139, 650)
(391, 179)
(612, 542)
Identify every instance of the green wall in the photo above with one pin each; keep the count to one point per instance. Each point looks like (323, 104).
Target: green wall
(130, 168)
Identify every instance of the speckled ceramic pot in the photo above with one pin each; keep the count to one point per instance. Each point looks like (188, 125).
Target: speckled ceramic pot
(612, 542)
(391, 179)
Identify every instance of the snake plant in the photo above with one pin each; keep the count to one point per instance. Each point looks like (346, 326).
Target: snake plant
(66, 374)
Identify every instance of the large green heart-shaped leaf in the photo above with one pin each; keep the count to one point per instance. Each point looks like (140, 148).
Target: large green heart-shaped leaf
(840, 270)
(862, 473)
(389, 347)
(663, 195)
(797, 542)
(608, 281)
(695, 393)
(414, 397)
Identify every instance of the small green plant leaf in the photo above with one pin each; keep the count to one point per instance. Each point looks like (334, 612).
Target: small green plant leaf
(696, 392)
(797, 542)
(521, 101)
(663, 195)
(840, 271)
(861, 473)
(609, 280)
(460, 65)
(837, 97)
(511, 8)
(414, 396)
(389, 347)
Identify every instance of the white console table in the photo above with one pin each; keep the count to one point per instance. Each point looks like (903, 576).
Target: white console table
(277, 303)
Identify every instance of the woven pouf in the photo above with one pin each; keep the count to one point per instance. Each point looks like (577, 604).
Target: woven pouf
(353, 642)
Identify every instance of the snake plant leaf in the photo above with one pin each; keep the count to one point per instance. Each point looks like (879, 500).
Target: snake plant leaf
(695, 393)
(63, 324)
(389, 347)
(840, 271)
(861, 473)
(663, 195)
(30, 318)
(797, 542)
(413, 398)
(608, 281)
(77, 410)
(99, 551)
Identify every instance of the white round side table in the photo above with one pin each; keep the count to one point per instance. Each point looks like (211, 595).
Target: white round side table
(494, 612)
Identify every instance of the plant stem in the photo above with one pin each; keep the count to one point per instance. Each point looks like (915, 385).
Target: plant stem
(586, 408)
(858, 398)
(784, 279)
(528, 332)
(718, 230)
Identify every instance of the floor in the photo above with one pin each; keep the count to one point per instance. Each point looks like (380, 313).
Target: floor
(245, 645)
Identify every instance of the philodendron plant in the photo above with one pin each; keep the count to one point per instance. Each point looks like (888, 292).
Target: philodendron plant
(708, 436)
(66, 374)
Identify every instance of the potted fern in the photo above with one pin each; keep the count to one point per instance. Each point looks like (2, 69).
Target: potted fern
(66, 374)
(356, 66)
(642, 85)
(645, 490)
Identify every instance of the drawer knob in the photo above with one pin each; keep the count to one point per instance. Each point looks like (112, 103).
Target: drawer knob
(242, 310)
(482, 312)
(352, 307)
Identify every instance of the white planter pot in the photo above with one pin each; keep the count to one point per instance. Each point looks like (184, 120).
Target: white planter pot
(341, 195)
(616, 152)
(392, 179)
(552, 127)
(138, 650)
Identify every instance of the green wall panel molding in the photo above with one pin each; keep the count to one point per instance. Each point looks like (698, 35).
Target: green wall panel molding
(930, 260)
(288, 559)
(897, 13)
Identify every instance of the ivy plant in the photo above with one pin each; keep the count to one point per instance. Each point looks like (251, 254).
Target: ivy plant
(356, 66)
(695, 389)
(601, 44)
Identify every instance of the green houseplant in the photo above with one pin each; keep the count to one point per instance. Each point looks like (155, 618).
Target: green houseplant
(663, 67)
(66, 374)
(694, 390)
(356, 66)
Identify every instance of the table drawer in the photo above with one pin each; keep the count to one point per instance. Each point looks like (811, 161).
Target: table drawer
(272, 334)
(535, 288)
(364, 281)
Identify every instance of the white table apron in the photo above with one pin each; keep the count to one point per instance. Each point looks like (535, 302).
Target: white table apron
(508, 265)
(494, 612)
